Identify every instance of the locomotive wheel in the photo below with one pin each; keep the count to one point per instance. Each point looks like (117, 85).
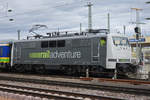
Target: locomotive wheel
(40, 69)
(97, 71)
(19, 68)
(69, 71)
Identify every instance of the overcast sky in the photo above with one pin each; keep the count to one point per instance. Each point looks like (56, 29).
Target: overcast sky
(68, 14)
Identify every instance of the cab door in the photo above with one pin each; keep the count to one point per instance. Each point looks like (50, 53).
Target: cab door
(95, 50)
(103, 50)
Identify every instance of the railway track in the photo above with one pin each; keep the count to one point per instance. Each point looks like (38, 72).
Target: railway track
(50, 94)
(131, 90)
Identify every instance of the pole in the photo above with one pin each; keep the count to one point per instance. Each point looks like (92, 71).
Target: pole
(138, 51)
(58, 33)
(137, 44)
(58, 29)
(7, 10)
(80, 28)
(89, 5)
(124, 29)
(108, 23)
(18, 34)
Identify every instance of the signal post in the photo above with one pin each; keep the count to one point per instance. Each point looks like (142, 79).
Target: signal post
(138, 35)
(139, 59)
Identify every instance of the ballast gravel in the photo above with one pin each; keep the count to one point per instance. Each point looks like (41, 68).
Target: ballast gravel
(125, 96)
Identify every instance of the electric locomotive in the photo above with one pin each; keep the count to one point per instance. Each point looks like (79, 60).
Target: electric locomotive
(97, 51)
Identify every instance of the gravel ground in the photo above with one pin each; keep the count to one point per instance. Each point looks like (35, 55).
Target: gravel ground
(84, 91)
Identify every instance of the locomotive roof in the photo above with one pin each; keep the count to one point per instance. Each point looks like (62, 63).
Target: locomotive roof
(72, 37)
(65, 38)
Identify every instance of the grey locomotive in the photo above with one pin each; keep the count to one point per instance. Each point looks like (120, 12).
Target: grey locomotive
(95, 52)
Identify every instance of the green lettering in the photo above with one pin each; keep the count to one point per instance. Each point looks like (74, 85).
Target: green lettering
(40, 54)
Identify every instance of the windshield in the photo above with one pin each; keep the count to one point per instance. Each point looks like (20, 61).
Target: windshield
(120, 41)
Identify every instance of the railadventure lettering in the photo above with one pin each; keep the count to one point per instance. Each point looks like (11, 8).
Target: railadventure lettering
(40, 54)
(55, 54)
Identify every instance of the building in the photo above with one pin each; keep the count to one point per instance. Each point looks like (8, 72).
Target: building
(144, 43)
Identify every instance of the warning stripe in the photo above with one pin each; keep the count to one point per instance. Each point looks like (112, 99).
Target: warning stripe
(4, 59)
(4, 44)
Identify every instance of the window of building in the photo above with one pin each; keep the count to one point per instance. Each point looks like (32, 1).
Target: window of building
(44, 44)
(52, 43)
(61, 43)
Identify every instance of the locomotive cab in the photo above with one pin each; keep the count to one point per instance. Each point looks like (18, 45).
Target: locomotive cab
(119, 54)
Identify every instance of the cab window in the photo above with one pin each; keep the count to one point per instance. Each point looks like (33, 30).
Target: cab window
(61, 43)
(44, 44)
(120, 41)
(52, 44)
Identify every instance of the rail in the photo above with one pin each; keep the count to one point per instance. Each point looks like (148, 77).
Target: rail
(135, 82)
(50, 94)
(131, 90)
